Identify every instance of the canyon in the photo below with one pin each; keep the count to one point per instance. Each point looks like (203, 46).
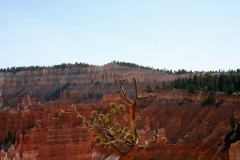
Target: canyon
(32, 125)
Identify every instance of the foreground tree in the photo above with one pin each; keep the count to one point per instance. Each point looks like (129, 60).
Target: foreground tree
(116, 129)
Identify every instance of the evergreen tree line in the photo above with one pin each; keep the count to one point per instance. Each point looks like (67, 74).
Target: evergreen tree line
(32, 68)
(210, 82)
(133, 65)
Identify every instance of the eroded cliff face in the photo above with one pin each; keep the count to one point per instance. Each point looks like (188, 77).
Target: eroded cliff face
(72, 82)
(35, 98)
(191, 128)
(193, 131)
(11, 122)
(54, 135)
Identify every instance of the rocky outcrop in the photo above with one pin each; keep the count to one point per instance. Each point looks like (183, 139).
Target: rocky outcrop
(234, 151)
(57, 136)
(203, 128)
(11, 122)
(30, 155)
(11, 154)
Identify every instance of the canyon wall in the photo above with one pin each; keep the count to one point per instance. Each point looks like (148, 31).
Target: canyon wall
(72, 82)
(31, 118)
(193, 131)
(54, 135)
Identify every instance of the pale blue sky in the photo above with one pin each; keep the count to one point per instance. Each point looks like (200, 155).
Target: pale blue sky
(175, 34)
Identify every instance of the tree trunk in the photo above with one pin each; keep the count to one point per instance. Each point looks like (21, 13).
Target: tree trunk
(132, 119)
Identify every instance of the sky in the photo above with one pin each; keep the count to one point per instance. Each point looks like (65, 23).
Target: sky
(172, 34)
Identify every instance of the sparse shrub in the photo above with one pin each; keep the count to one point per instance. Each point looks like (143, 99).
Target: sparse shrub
(232, 122)
(192, 88)
(210, 100)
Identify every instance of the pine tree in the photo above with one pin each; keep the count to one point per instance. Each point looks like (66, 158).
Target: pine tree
(232, 122)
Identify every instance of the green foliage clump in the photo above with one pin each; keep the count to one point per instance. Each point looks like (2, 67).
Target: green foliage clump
(112, 127)
(221, 82)
(192, 88)
(233, 122)
(210, 100)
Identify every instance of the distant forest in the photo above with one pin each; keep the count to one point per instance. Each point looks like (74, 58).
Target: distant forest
(223, 82)
(32, 68)
(178, 72)
(64, 65)
(133, 65)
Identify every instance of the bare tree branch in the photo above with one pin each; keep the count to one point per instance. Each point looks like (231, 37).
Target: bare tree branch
(107, 134)
(123, 94)
(150, 140)
(135, 88)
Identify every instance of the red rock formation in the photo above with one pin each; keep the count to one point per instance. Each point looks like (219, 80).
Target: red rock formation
(11, 122)
(11, 154)
(56, 136)
(30, 155)
(192, 131)
(234, 151)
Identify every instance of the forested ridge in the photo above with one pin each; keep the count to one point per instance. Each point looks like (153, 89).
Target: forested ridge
(32, 68)
(228, 82)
